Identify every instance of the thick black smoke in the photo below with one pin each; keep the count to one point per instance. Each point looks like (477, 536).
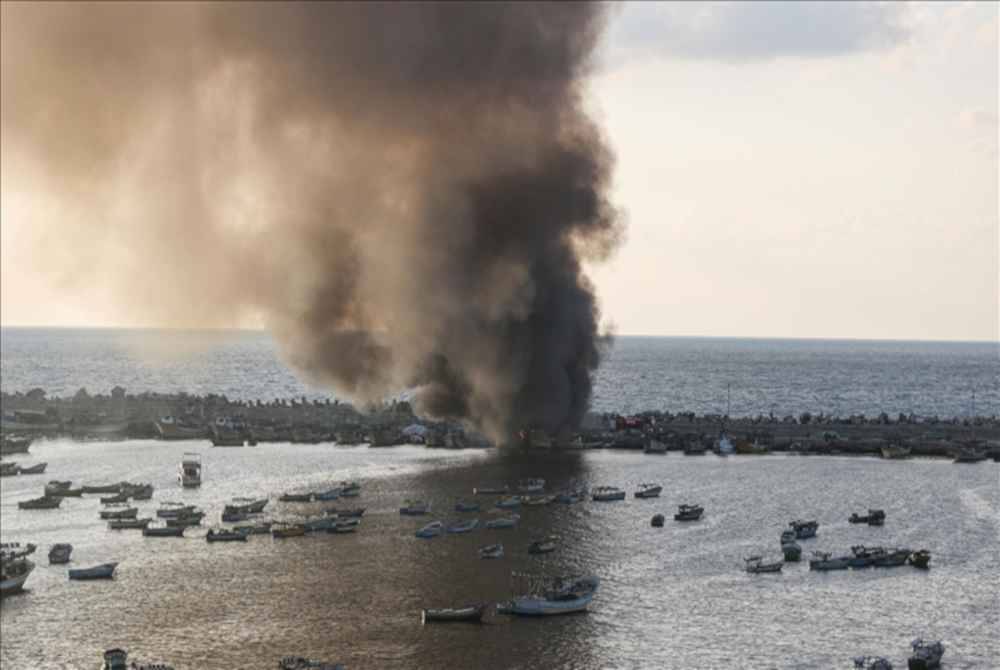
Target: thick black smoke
(403, 192)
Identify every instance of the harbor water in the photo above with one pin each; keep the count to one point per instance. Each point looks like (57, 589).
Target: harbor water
(672, 597)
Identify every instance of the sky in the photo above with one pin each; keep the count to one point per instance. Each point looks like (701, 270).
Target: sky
(786, 170)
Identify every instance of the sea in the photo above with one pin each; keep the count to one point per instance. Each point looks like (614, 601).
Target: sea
(702, 375)
(671, 597)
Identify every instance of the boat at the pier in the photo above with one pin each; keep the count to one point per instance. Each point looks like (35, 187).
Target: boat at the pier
(658, 521)
(920, 559)
(431, 530)
(875, 517)
(320, 523)
(230, 516)
(117, 659)
(689, 512)
(695, 448)
(792, 551)
(163, 531)
(723, 446)
(649, 491)
(14, 572)
(823, 561)
(186, 520)
(503, 522)
(471, 613)
(464, 526)
(66, 492)
(248, 505)
(226, 536)
(804, 529)
(970, 455)
(129, 524)
(607, 494)
(925, 656)
(531, 485)
(36, 469)
(139, 491)
(544, 596)
(122, 512)
(754, 448)
(491, 490)
(756, 565)
(45, 502)
(190, 471)
(491, 551)
(328, 495)
(60, 553)
(537, 501)
(414, 508)
(103, 571)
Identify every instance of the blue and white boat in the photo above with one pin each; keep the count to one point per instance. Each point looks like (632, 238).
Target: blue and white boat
(503, 522)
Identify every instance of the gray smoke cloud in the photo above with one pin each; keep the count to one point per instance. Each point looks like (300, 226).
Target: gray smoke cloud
(403, 192)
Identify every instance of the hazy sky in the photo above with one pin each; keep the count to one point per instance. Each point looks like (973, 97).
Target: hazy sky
(788, 169)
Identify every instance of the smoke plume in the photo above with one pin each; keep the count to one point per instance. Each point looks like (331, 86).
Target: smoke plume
(403, 192)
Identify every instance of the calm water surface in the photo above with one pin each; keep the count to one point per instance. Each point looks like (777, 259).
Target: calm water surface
(670, 598)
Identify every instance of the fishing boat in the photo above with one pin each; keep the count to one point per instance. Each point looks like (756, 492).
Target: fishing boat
(117, 498)
(103, 571)
(345, 526)
(9, 469)
(431, 530)
(503, 522)
(14, 445)
(102, 488)
(754, 448)
(491, 490)
(792, 551)
(350, 489)
(355, 512)
(256, 529)
(531, 485)
(543, 546)
(891, 558)
(45, 502)
(287, 531)
(320, 523)
(755, 565)
(571, 497)
(225, 536)
(120, 513)
(925, 656)
(607, 494)
(189, 472)
(412, 508)
(185, 520)
(648, 491)
(172, 510)
(163, 531)
(654, 446)
(67, 492)
(658, 521)
(875, 517)
(511, 502)
(471, 613)
(326, 496)
(824, 562)
(872, 663)
(895, 451)
(970, 455)
(117, 659)
(466, 507)
(14, 572)
(299, 663)
(491, 551)
(804, 529)
(60, 553)
(464, 526)
(53, 487)
(129, 524)
(36, 469)
(864, 557)
(248, 505)
(920, 559)
(537, 501)
(230, 516)
(695, 449)
(724, 447)
(140, 491)
(296, 497)
(689, 512)
(543, 596)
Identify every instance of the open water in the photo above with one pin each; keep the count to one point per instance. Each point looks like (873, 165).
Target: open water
(674, 597)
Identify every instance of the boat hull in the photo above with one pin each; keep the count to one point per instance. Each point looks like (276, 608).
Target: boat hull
(106, 571)
(539, 607)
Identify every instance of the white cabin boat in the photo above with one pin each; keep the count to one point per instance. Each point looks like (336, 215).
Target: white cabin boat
(547, 598)
(189, 472)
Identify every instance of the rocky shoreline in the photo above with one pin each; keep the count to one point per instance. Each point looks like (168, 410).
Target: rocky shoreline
(120, 415)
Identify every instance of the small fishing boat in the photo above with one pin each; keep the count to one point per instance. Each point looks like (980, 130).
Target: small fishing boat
(464, 526)
(491, 551)
(895, 451)
(14, 550)
(14, 572)
(537, 501)
(431, 530)
(45, 502)
(36, 469)
(547, 597)
(140, 491)
(466, 507)
(299, 663)
(658, 521)
(925, 656)
(14, 445)
(172, 510)
(689, 512)
(531, 485)
(345, 526)
(471, 613)
(607, 494)
(189, 471)
(326, 496)
(320, 523)
(511, 502)
(115, 499)
(55, 486)
(60, 553)
(129, 524)
(648, 491)
(9, 469)
(163, 531)
(970, 455)
(226, 536)
(117, 659)
(296, 497)
(414, 508)
(920, 559)
(875, 517)
(695, 449)
(792, 551)
(804, 529)
(872, 663)
(356, 512)
(544, 546)
(287, 531)
(864, 557)
(230, 516)
(824, 562)
(67, 492)
(755, 565)
(350, 489)
(103, 571)
(246, 505)
(102, 488)
(571, 497)
(891, 558)
(503, 522)
(186, 520)
(257, 529)
(491, 490)
(120, 513)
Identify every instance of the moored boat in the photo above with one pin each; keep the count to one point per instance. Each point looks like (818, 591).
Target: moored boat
(471, 613)
(872, 663)
(328, 495)
(491, 490)
(45, 502)
(189, 473)
(139, 491)
(926, 655)
(756, 565)
(284, 531)
(262, 528)
(823, 561)
(491, 551)
(320, 523)
(230, 516)
(55, 486)
(792, 551)
(431, 530)
(864, 557)
(543, 546)
(970, 455)
(127, 524)
(895, 451)
(248, 505)
(648, 491)
(120, 513)
(14, 572)
(36, 469)
(414, 508)
(537, 501)
(102, 488)
(185, 520)
(9, 469)
(461, 506)
(300, 663)
(14, 445)
(891, 558)
(724, 446)
(350, 512)
(531, 485)
(464, 526)
(541, 596)
(345, 526)
(503, 522)
(103, 571)
(116, 498)
(67, 492)
(607, 494)
(875, 517)
(658, 521)
(804, 529)
(163, 531)
(654, 446)
(920, 559)
(234, 535)
(60, 553)
(296, 497)
(689, 512)
(172, 510)
(511, 502)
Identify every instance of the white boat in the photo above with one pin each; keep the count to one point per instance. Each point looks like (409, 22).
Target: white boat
(926, 655)
(648, 491)
(531, 485)
(431, 530)
(249, 505)
(503, 522)
(13, 573)
(173, 510)
(189, 472)
(59, 553)
(607, 494)
(103, 571)
(544, 597)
